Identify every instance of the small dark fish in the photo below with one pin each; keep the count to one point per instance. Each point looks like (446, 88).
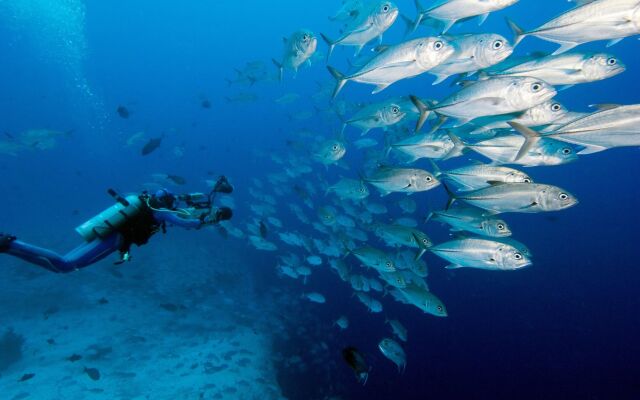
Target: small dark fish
(103, 301)
(152, 145)
(178, 180)
(205, 104)
(26, 377)
(356, 361)
(93, 373)
(50, 311)
(123, 112)
(74, 357)
(10, 136)
(51, 341)
(263, 230)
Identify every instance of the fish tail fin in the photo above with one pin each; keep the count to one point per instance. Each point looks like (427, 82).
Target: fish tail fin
(424, 111)
(280, 68)
(436, 170)
(518, 32)
(531, 138)
(452, 195)
(329, 43)
(340, 80)
(409, 25)
(459, 145)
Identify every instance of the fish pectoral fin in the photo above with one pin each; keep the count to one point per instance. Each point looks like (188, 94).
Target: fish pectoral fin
(440, 78)
(482, 18)
(564, 47)
(533, 204)
(447, 24)
(454, 266)
(614, 42)
(380, 88)
(590, 149)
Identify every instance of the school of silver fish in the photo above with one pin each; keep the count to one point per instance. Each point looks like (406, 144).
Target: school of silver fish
(503, 109)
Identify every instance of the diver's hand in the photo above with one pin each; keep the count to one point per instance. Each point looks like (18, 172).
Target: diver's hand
(217, 215)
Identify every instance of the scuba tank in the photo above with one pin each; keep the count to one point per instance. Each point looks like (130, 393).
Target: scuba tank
(112, 218)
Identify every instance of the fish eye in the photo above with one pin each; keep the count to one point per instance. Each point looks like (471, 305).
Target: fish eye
(612, 61)
(439, 308)
(497, 44)
(305, 37)
(425, 241)
(526, 180)
(501, 226)
(517, 256)
(335, 147)
(566, 151)
(438, 45)
(556, 107)
(388, 263)
(395, 110)
(398, 280)
(428, 179)
(385, 8)
(563, 196)
(536, 87)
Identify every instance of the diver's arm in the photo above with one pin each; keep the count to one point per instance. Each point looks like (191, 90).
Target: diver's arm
(172, 218)
(80, 257)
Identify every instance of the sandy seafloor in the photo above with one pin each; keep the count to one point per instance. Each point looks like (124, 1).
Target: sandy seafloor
(168, 325)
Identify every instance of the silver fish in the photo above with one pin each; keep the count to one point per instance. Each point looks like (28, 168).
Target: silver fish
(567, 69)
(436, 145)
(472, 53)
(398, 235)
(392, 350)
(401, 61)
(298, 49)
(471, 220)
(379, 115)
(424, 300)
(482, 254)
(518, 197)
(371, 23)
(595, 20)
(398, 329)
(329, 152)
(449, 12)
(478, 176)
(548, 113)
(349, 189)
(374, 258)
(613, 126)
(405, 180)
(507, 150)
(496, 96)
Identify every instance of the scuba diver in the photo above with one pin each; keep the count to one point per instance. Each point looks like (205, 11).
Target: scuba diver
(132, 220)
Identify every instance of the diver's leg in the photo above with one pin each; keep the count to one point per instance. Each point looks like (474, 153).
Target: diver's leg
(80, 257)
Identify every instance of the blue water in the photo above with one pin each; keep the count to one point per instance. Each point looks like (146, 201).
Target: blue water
(567, 327)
